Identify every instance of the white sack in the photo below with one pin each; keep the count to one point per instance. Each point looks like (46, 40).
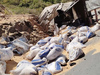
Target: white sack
(29, 70)
(54, 53)
(6, 53)
(2, 67)
(54, 40)
(34, 47)
(44, 53)
(90, 34)
(83, 39)
(20, 66)
(95, 27)
(61, 59)
(83, 29)
(21, 44)
(41, 42)
(56, 30)
(75, 53)
(62, 27)
(74, 44)
(46, 72)
(54, 67)
(33, 53)
(39, 62)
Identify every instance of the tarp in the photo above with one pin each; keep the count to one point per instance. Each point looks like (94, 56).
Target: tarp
(92, 4)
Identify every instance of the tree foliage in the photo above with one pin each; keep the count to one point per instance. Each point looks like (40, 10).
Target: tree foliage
(32, 4)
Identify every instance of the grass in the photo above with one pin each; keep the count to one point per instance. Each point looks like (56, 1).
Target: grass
(22, 10)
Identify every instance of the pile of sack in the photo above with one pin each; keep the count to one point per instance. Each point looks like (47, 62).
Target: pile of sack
(46, 55)
(8, 47)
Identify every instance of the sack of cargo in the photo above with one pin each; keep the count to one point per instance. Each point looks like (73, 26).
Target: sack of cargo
(33, 53)
(2, 67)
(72, 37)
(47, 39)
(83, 39)
(80, 34)
(65, 43)
(74, 44)
(45, 46)
(6, 53)
(65, 37)
(44, 53)
(62, 27)
(2, 46)
(39, 62)
(56, 30)
(46, 72)
(23, 38)
(20, 44)
(90, 34)
(75, 53)
(54, 67)
(83, 29)
(95, 27)
(54, 53)
(34, 47)
(23, 65)
(41, 42)
(61, 59)
(29, 70)
(54, 40)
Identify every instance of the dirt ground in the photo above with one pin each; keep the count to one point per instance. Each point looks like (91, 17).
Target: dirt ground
(11, 65)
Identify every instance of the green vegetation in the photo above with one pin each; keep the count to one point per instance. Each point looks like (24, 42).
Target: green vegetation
(28, 6)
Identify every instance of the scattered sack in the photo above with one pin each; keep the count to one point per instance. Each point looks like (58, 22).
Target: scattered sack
(54, 53)
(42, 42)
(39, 62)
(74, 44)
(33, 53)
(80, 34)
(83, 39)
(47, 39)
(29, 70)
(34, 47)
(54, 40)
(72, 37)
(53, 45)
(61, 59)
(44, 53)
(23, 38)
(2, 67)
(2, 46)
(45, 46)
(75, 53)
(90, 34)
(20, 44)
(24, 67)
(6, 53)
(95, 27)
(83, 29)
(62, 27)
(65, 43)
(54, 67)
(46, 72)
(56, 30)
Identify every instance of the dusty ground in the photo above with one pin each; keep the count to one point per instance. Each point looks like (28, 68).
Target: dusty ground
(14, 61)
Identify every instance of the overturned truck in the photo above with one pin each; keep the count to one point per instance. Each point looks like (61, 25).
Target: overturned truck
(70, 13)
